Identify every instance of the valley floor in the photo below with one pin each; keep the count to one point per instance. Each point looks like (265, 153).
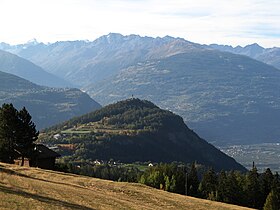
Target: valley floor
(265, 155)
(31, 188)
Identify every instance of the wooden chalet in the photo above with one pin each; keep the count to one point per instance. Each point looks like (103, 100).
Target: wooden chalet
(43, 158)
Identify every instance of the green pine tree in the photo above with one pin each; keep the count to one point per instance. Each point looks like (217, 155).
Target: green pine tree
(173, 184)
(28, 135)
(272, 201)
(235, 193)
(266, 182)
(17, 133)
(208, 184)
(167, 183)
(192, 181)
(9, 127)
(222, 189)
(253, 191)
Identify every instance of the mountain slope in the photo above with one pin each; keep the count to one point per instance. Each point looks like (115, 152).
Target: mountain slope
(135, 130)
(226, 98)
(267, 55)
(46, 105)
(13, 64)
(33, 188)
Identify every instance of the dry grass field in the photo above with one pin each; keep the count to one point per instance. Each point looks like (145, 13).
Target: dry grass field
(31, 188)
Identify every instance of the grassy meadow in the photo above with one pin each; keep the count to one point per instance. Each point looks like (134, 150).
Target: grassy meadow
(32, 188)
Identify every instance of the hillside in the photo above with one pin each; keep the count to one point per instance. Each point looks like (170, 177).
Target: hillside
(13, 64)
(135, 130)
(31, 188)
(270, 56)
(47, 106)
(226, 98)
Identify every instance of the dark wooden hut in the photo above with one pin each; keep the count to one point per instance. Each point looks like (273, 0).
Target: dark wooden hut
(43, 157)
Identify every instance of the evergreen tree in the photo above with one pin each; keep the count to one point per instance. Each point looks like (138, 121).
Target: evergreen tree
(252, 190)
(173, 184)
(272, 201)
(266, 182)
(167, 183)
(192, 181)
(235, 190)
(9, 126)
(223, 188)
(28, 135)
(208, 184)
(17, 133)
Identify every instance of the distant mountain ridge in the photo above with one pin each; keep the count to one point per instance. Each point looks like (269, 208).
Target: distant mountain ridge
(267, 55)
(47, 106)
(13, 64)
(83, 62)
(136, 130)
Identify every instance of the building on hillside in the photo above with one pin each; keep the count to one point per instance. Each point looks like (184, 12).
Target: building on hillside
(43, 157)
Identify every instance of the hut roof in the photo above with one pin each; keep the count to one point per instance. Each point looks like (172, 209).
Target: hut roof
(43, 151)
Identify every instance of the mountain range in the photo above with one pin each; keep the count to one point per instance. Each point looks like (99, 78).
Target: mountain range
(47, 105)
(227, 98)
(84, 63)
(270, 56)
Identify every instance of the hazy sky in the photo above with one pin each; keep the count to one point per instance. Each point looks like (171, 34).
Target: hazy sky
(235, 22)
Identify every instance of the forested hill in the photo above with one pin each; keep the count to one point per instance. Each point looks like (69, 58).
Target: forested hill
(135, 130)
(132, 114)
(47, 106)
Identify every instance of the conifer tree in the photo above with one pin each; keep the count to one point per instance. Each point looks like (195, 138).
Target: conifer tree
(9, 126)
(28, 134)
(222, 189)
(253, 191)
(234, 188)
(208, 184)
(272, 201)
(192, 181)
(17, 133)
(266, 182)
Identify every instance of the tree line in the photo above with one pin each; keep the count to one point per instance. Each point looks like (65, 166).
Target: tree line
(251, 189)
(17, 134)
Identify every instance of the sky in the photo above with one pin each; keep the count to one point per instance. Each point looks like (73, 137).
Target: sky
(231, 22)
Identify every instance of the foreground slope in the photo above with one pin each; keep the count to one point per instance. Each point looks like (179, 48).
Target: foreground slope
(47, 106)
(30, 188)
(136, 130)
